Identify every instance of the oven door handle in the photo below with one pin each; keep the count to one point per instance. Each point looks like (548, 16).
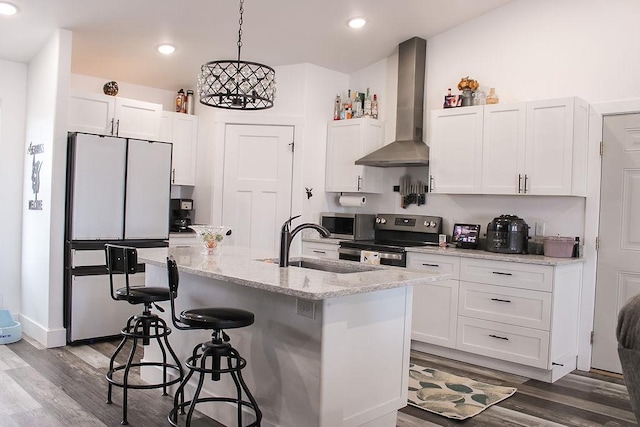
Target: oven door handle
(383, 255)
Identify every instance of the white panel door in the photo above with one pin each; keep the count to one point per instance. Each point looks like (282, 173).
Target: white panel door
(137, 119)
(258, 163)
(98, 187)
(549, 156)
(618, 270)
(148, 190)
(91, 113)
(456, 150)
(503, 148)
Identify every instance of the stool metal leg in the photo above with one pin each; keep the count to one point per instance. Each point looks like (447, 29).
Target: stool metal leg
(144, 327)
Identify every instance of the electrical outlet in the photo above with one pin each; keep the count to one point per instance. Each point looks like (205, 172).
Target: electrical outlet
(540, 226)
(306, 308)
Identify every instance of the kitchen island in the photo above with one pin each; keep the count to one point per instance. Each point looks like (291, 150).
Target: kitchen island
(327, 349)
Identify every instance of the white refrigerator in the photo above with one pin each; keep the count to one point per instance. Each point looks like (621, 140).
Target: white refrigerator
(118, 191)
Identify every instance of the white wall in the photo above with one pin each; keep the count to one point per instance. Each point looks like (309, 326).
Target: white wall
(127, 90)
(43, 230)
(13, 94)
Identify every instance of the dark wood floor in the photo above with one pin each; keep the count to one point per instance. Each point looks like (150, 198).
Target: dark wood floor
(66, 387)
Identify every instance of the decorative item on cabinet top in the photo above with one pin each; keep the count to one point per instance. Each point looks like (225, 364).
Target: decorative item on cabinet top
(110, 88)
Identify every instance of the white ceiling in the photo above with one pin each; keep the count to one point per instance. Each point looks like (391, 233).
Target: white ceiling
(116, 39)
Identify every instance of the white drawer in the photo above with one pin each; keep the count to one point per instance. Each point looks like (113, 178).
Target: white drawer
(518, 275)
(92, 257)
(434, 263)
(320, 250)
(513, 306)
(506, 342)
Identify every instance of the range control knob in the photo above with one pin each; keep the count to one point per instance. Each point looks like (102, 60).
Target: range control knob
(377, 220)
(426, 223)
(432, 224)
(383, 221)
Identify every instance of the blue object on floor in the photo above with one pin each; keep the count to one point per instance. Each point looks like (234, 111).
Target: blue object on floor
(10, 330)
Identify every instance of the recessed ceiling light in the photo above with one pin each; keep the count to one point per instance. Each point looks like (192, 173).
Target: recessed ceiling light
(357, 22)
(166, 49)
(8, 9)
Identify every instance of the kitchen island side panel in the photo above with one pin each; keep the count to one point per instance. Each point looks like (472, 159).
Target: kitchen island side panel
(346, 365)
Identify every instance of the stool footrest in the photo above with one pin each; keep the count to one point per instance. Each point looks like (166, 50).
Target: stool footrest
(243, 403)
(175, 368)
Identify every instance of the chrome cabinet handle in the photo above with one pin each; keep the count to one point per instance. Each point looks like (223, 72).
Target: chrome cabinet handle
(359, 181)
(112, 120)
(500, 300)
(499, 337)
(430, 183)
(502, 274)
(118, 127)
(430, 265)
(319, 252)
(525, 183)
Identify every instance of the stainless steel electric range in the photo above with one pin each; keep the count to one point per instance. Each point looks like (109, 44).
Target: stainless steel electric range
(394, 233)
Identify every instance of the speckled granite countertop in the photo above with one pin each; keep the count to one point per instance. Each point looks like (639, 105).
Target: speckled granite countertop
(246, 267)
(472, 253)
(480, 254)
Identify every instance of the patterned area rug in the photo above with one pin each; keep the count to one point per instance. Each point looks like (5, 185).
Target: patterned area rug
(452, 396)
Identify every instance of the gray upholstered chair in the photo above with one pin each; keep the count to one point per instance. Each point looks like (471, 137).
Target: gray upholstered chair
(628, 335)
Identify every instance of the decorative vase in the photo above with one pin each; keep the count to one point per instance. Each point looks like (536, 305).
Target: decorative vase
(466, 97)
(211, 236)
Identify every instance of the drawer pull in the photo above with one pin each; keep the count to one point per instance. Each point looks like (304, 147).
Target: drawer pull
(500, 300)
(557, 364)
(502, 274)
(431, 265)
(500, 338)
(319, 252)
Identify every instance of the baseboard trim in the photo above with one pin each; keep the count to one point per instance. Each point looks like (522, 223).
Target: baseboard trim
(49, 338)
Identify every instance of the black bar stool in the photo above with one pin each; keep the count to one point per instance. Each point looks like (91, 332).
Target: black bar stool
(216, 320)
(144, 327)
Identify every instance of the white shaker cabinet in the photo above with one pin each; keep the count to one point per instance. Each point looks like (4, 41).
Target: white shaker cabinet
(503, 148)
(347, 141)
(181, 130)
(435, 305)
(556, 152)
(535, 147)
(456, 151)
(109, 115)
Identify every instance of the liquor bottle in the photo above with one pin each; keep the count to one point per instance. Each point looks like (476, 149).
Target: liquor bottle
(358, 105)
(374, 107)
(367, 105)
(336, 107)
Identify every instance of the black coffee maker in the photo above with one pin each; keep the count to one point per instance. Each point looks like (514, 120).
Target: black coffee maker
(508, 234)
(180, 211)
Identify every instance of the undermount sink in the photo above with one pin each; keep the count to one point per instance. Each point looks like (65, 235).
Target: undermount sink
(331, 267)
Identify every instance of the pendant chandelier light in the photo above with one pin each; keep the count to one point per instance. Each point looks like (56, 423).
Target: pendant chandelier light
(236, 84)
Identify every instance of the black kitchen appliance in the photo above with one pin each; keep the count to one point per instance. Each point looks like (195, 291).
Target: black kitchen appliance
(393, 233)
(507, 234)
(180, 215)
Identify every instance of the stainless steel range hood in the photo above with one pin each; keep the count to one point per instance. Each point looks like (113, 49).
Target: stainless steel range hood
(408, 149)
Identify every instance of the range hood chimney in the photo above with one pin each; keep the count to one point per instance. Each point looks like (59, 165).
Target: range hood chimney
(408, 149)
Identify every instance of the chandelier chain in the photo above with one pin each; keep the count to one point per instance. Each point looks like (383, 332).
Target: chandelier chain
(240, 28)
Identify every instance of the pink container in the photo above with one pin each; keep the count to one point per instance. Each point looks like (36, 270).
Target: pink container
(560, 247)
